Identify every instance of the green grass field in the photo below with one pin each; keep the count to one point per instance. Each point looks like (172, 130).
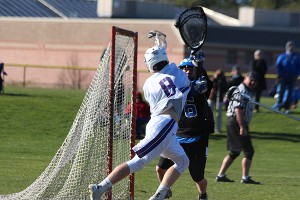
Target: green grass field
(34, 123)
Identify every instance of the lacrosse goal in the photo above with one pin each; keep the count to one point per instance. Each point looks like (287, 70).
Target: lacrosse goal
(101, 136)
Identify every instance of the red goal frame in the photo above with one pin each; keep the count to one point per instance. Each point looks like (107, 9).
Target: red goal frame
(119, 31)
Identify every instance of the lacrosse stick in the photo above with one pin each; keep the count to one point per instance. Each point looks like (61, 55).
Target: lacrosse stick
(159, 38)
(231, 90)
(269, 108)
(192, 26)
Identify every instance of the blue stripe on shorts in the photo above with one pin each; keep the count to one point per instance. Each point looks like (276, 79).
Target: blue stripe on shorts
(157, 140)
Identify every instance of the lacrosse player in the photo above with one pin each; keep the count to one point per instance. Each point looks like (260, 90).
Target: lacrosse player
(166, 92)
(195, 125)
(239, 114)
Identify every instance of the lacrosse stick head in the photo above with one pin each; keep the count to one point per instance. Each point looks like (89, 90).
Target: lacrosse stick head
(159, 38)
(192, 26)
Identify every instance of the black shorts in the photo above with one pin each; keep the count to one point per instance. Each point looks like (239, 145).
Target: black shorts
(197, 154)
(236, 143)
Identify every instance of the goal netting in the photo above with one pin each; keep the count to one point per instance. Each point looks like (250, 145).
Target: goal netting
(101, 135)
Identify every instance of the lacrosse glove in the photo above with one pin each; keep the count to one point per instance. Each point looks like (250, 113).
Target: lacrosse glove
(200, 85)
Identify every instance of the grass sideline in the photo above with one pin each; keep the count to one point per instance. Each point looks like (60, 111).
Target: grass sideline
(34, 123)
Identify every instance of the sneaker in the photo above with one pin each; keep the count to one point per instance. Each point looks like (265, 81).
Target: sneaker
(96, 191)
(157, 196)
(223, 179)
(169, 194)
(203, 196)
(287, 111)
(249, 181)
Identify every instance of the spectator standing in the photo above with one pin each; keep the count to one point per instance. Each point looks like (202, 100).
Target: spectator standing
(259, 66)
(239, 114)
(236, 77)
(216, 96)
(288, 70)
(295, 97)
(166, 91)
(142, 114)
(195, 125)
(2, 74)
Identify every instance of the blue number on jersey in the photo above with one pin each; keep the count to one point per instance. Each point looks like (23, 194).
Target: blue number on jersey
(190, 109)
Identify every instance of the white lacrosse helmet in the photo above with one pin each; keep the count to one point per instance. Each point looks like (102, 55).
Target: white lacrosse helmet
(153, 56)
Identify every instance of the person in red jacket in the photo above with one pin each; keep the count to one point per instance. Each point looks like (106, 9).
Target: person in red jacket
(142, 114)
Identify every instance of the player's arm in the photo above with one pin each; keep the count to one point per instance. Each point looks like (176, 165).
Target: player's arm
(209, 83)
(240, 113)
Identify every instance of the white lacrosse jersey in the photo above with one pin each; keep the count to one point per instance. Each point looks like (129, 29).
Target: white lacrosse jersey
(241, 101)
(165, 89)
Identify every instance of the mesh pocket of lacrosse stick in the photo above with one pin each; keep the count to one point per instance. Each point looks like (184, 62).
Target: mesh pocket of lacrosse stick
(192, 25)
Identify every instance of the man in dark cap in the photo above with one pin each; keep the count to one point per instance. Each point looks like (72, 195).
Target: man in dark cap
(236, 77)
(288, 70)
(239, 114)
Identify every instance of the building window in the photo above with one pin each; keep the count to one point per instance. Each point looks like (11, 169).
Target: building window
(231, 57)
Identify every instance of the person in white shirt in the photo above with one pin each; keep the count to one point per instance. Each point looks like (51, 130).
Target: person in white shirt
(166, 91)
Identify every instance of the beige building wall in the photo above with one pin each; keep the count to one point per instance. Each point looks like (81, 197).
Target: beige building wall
(58, 43)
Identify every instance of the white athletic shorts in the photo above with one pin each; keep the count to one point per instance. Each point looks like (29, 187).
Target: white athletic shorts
(160, 140)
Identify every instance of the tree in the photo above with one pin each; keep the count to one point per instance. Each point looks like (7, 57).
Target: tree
(276, 4)
(225, 4)
(289, 5)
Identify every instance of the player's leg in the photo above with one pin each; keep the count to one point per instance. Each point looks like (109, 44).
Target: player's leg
(246, 144)
(120, 172)
(171, 175)
(197, 153)
(233, 147)
(143, 156)
(175, 152)
(162, 166)
(202, 183)
(283, 84)
(287, 103)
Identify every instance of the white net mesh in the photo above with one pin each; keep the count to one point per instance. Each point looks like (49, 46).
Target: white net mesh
(83, 159)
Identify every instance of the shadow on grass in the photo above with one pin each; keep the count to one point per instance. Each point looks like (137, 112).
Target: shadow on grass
(218, 136)
(276, 136)
(32, 95)
(17, 95)
(264, 136)
(294, 112)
